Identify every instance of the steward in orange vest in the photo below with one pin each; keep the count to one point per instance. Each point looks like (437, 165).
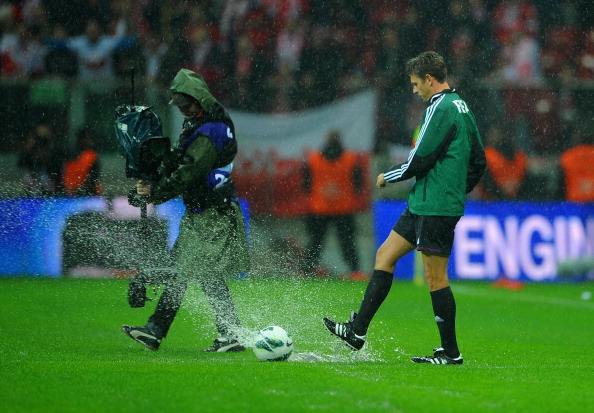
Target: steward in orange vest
(577, 164)
(81, 173)
(506, 168)
(334, 179)
(335, 183)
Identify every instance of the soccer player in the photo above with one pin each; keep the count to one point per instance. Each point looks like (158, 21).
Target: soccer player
(447, 161)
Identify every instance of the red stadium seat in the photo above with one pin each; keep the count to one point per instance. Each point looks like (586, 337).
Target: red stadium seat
(552, 61)
(562, 38)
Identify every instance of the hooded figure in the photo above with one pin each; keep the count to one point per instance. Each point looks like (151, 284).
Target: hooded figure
(188, 83)
(333, 178)
(212, 243)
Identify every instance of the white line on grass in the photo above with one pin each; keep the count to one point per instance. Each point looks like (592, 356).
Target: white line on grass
(525, 297)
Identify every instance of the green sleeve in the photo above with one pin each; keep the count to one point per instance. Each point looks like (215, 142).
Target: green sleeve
(436, 133)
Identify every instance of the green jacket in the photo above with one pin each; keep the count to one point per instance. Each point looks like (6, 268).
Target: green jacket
(199, 166)
(447, 160)
(212, 239)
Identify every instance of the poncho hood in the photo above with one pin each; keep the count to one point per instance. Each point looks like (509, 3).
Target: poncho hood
(192, 84)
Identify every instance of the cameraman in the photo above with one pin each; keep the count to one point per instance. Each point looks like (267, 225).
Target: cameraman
(212, 242)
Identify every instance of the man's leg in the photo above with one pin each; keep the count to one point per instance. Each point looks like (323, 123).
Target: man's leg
(442, 299)
(226, 319)
(399, 243)
(388, 254)
(158, 324)
(347, 236)
(316, 227)
(169, 303)
(219, 297)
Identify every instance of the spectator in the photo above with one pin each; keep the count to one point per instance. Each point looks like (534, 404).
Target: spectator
(340, 52)
(95, 51)
(507, 166)
(515, 26)
(391, 90)
(514, 16)
(258, 26)
(203, 54)
(82, 170)
(74, 16)
(520, 59)
(282, 86)
(244, 71)
(483, 44)
(456, 19)
(33, 13)
(284, 12)
(154, 51)
(334, 180)
(322, 63)
(234, 11)
(409, 30)
(577, 167)
(60, 62)
(22, 52)
(462, 51)
(174, 36)
(289, 44)
(41, 161)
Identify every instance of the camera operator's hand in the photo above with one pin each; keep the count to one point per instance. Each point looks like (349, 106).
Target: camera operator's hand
(136, 195)
(143, 188)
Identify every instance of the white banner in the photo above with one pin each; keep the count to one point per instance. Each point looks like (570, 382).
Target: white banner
(290, 135)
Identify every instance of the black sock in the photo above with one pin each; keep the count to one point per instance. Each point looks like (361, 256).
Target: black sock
(444, 308)
(375, 294)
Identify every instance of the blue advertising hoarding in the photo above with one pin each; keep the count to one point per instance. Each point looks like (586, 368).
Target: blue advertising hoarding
(31, 232)
(32, 229)
(518, 240)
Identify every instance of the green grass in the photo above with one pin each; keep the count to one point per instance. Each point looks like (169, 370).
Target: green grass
(61, 350)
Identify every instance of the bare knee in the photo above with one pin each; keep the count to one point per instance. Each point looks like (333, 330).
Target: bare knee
(384, 261)
(392, 249)
(436, 274)
(437, 283)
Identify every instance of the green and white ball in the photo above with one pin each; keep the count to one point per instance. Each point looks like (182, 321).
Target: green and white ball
(273, 343)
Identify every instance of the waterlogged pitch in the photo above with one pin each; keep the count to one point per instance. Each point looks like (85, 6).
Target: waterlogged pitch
(61, 350)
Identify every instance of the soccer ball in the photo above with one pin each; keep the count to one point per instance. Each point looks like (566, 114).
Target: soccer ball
(273, 343)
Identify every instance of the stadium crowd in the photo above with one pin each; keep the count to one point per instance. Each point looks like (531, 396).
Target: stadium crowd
(285, 55)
